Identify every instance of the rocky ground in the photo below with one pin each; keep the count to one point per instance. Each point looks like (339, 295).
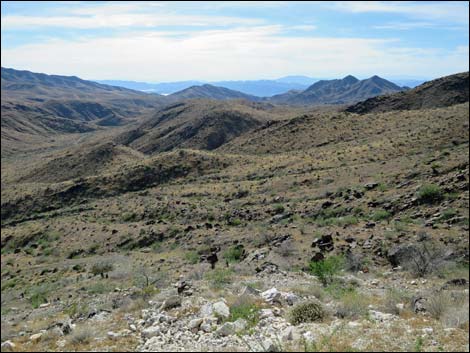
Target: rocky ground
(360, 313)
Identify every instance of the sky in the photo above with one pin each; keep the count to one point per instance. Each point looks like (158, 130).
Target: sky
(174, 41)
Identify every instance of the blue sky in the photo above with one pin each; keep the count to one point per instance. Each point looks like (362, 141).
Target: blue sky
(170, 41)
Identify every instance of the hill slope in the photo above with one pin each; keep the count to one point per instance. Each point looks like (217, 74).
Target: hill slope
(340, 91)
(199, 124)
(442, 92)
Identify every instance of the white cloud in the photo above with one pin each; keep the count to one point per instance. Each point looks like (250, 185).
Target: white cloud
(241, 53)
(115, 15)
(453, 11)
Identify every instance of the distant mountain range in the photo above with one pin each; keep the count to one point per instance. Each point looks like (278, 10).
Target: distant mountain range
(339, 91)
(260, 88)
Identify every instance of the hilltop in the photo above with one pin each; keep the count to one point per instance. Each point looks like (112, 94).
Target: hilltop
(442, 92)
(346, 90)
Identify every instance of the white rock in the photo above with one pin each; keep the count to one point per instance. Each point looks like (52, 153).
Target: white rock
(288, 334)
(400, 307)
(206, 327)
(265, 313)
(113, 335)
(428, 330)
(240, 325)
(8, 346)
(133, 327)
(206, 310)
(44, 305)
(221, 309)
(151, 331)
(271, 295)
(36, 337)
(308, 337)
(195, 323)
(354, 324)
(381, 317)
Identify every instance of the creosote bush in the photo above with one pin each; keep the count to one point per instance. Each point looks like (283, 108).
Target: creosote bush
(430, 194)
(326, 269)
(307, 312)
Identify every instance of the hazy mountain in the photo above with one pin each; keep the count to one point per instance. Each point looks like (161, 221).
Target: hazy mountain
(442, 92)
(339, 91)
(210, 92)
(260, 88)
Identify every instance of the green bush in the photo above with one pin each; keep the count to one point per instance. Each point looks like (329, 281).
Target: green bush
(381, 215)
(326, 269)
(219, 277)
(245, 308)
(430, 194)
(307, 312)
(233, 254)
(279, 209)
(192, 257)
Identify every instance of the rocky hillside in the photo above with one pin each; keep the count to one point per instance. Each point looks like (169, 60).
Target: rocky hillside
(442, 92)
(340, 91)
(199, 125)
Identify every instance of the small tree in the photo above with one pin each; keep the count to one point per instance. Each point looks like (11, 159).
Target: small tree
(326, 269)
(426, 259)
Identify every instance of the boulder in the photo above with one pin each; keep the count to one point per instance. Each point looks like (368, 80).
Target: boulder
(36, 337)
(8, 346)
(221, 309)
(171, 302)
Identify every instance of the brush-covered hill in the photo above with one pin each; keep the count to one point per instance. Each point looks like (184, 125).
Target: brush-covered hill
(442, 92)
(340, 91)
(211, 92)
(37, 107)
(197, 124)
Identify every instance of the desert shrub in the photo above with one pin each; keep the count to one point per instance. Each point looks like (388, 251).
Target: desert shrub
(354, 262)
(326, 269)
(430, 194)
(77, 310)
(220, 277)
(393, 297)
(247, 308)
(381, 215)
(234, 254)
(352, 305)
(286, 249)
(101, 268)
(129, 217)
(438, 304)
(82, 335)
(38, 296)
(456, 316)
(279, 209)
(426, 259)
(307, 312)
(448, 214)
(192, 257)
